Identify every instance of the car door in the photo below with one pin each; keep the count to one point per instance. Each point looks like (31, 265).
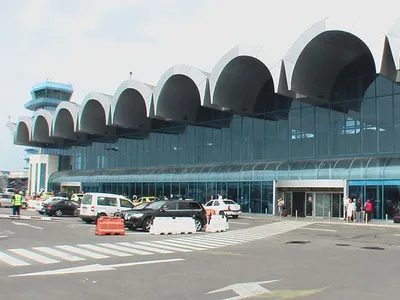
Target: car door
(170, 209)
(69, 207)
(216, 206)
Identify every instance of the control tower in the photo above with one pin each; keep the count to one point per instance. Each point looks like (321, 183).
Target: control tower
(46, 95)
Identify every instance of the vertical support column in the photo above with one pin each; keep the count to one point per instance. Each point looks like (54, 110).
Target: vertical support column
(345, 192)
(274, 197)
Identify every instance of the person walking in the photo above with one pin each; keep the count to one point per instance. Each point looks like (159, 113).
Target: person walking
(368, 210)
(16, 204)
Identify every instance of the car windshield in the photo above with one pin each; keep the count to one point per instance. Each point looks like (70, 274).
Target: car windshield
(141, 206)
(156, 205)
(229, 202)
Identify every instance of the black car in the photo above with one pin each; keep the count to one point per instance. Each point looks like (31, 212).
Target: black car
(61, 207)
(142, 218)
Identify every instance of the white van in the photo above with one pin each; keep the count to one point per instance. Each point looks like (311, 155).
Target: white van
(95, 205)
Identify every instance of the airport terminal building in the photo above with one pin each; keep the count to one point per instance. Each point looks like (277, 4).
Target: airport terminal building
(322, 123)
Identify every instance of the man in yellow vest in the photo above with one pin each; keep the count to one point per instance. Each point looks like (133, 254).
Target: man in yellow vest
(16, 203)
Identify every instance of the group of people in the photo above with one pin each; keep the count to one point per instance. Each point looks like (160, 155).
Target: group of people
(354, 209)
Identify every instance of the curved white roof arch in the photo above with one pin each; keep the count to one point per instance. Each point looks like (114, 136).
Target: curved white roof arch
(132, 104)
(42, 122)
(353, 35)
(65, 117)
(179, 92)
(22, 135)
(240, 74)
(94, 114)
(393, 36)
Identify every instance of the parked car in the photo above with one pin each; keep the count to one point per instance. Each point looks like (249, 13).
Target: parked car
(60, 208)
(77, 197)
(142, 218)
(6, 201)
(42, 206)
(228, 207)
(144, 200)
(95, 205)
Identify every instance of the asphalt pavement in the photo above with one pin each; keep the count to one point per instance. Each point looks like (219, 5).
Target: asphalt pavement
(257, 258)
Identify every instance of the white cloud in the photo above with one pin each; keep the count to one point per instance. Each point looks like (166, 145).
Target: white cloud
(83, 42)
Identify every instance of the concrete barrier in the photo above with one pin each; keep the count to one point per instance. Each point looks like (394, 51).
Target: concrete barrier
(2, 216)
(217, 223)
(170, 225)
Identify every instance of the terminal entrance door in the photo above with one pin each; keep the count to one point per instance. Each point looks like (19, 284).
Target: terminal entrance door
(314, 204)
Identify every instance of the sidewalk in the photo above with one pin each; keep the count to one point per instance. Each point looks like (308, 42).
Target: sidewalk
(333, 221)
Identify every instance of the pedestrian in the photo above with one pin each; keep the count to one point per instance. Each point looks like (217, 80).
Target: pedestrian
(281, 205)
(16, 204)
(219, 197)
(358, 210)
(368, 210)
(349, 210)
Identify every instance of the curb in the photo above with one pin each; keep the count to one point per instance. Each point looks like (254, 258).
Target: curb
(51, 219)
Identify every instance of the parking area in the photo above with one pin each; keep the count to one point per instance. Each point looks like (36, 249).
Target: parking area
(266, 256)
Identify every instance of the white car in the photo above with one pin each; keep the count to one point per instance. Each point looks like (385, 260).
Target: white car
(95, 205)
(229, 207)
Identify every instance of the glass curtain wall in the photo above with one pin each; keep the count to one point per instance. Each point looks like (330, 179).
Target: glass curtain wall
(356, 124)
(384, 195)
(252, 196)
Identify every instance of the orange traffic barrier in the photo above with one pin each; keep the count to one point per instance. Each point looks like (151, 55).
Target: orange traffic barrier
(110, 226)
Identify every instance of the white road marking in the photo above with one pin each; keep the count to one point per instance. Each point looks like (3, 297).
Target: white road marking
(396, 234)
(319, 229)
(209, 242)
(125, 249)
(104, 250)
(58, 254)
(323, 225)
(193, 243)
(26, 224)
(246, 290)
(34, 256)
(8, 259)
(82, 252)
(95, 268)
(175, 244)
(3, 236)
(141, 247)
(164, 247)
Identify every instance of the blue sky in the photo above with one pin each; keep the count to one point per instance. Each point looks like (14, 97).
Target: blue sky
(93, 44)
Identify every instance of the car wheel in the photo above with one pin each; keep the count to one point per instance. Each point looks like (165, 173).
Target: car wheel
(235, 216)
(198, 224)
(59, 213)
(146, 225)
(88, 221)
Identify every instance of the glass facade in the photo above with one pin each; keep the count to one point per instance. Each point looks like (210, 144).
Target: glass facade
(351, 136)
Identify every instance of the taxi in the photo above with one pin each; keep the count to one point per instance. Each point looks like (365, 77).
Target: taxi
(145, 200)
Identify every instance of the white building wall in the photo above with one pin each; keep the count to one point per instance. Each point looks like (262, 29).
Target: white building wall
(38, 176)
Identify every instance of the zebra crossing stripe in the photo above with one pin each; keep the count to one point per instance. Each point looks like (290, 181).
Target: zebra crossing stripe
(165, 247)
(83, 252)
(125, 249)
(12, 261)
(105, 250)
(34, 256)
(58, 254)
(146, 248)
(172, 243)
(190, 243)
(208, 242)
